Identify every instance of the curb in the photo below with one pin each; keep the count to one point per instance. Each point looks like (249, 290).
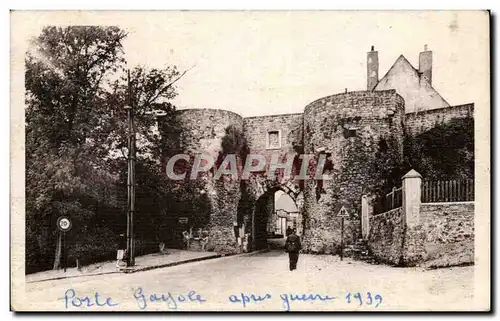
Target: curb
(249, 253)
(74, 276)
(147, 268)
(215, 256)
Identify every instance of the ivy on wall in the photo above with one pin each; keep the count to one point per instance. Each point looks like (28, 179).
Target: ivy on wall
(443, 152)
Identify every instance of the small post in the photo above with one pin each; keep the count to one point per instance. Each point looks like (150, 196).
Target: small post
(426, 191)
(393, 195)
(365, 218)
(411, 197)
(57, 262)
(65, 251)
(342, 239)
(236, 230)
(252, 244)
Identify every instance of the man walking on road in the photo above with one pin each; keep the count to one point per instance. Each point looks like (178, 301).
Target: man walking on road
(293, 246)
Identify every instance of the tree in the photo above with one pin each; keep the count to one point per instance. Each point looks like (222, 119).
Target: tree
(65, 69)
(152, 91)
(75, 135)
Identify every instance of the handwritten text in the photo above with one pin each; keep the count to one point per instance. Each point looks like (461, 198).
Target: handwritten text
(172, 301)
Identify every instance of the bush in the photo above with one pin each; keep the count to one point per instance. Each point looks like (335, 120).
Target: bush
(443, 152)
(96, 245)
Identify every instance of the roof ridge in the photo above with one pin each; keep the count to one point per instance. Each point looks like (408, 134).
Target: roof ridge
(403, 59)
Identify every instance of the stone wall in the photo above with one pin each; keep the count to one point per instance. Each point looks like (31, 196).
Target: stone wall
(419, 122)
(361, 133)
(352, 231)
(289, 126)
(446, 236)
(256, 129)
(263, 213)
(386, 236)
(324, 241)
(202, 131)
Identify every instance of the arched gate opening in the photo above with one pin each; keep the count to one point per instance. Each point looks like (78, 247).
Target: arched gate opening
(275, 213)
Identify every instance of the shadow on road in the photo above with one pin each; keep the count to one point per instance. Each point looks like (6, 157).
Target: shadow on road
(276, 248)
(276, 244)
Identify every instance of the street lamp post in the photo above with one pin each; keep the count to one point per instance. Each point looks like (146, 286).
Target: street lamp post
(130, 177)
(131, 173)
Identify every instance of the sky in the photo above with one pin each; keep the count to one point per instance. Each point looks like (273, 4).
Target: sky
(284, 202)
(265, 63)
(275, 62)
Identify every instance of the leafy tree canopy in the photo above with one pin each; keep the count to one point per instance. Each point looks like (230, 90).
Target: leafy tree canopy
(76, 135)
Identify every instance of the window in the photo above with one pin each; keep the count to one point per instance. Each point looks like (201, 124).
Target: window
(350, 132)
(382, 145)
(273, 140)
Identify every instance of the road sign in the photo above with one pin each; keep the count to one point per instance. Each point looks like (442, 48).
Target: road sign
(343, 212)
(64, 224)
(183, 220)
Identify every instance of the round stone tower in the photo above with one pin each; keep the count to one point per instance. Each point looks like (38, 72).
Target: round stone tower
(203, 129)
(211, 132)
(361, 134)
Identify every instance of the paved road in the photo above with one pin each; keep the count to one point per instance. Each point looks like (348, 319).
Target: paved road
(214, 281)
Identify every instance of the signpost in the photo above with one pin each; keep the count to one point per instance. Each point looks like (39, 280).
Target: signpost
(64, 225)
(342, 214)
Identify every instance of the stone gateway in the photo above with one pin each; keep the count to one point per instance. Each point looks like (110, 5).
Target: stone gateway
(358, 135)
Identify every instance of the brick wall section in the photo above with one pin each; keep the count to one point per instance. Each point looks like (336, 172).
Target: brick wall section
(386, 236)
(446, 237)
(375, 116)
(419, 122)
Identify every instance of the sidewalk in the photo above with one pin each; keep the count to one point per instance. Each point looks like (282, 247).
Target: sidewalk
(142, 263)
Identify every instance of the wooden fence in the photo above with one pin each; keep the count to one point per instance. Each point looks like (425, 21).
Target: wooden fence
(447, 191)
(391, 200)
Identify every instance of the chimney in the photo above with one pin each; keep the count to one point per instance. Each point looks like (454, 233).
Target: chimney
(372, 69)
(425, 64)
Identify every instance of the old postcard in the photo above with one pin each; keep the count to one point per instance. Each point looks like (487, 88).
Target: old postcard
(250, 161)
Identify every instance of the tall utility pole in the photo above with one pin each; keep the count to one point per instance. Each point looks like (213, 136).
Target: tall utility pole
(131, 177)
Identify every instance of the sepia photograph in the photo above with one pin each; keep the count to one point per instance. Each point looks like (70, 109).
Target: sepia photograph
(250, 161)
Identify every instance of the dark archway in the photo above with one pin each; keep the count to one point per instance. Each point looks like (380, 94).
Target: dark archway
(267, 222)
